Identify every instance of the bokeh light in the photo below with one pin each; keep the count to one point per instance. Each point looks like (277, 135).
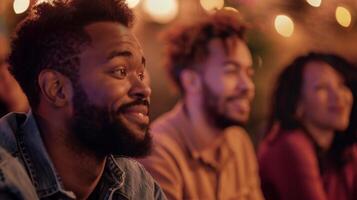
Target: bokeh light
(343, 16)
(230, 9)
(42, 1)
(314, 3)
(132, 3)
(161, 11)
(211, 5)
(20, 6)
(284, 25)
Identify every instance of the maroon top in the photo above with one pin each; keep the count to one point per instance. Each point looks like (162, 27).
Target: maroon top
(290, 170)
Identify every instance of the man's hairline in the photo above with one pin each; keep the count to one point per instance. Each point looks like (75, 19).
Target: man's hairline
(196, 66)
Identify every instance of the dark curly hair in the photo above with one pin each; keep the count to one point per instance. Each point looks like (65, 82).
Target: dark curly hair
(287, 93)
(187, 44)
(52, 35)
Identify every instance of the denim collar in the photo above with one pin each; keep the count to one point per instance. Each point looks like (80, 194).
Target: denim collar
(35, 157)
(39, 166)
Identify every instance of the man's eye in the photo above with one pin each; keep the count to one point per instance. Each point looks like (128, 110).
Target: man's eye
(119, 72)
(321, 87)
(230, 69)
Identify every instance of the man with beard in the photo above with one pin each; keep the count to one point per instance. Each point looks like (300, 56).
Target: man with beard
(201, 150)
(84, 74)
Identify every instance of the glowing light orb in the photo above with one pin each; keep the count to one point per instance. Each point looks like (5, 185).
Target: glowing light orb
(20, 6)
(343, 16)
(314, 3)
(211, 5)
(132, 3)
(284, 25)
(161, 11)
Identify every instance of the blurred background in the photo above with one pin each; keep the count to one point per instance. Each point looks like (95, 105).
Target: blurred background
(280, 30)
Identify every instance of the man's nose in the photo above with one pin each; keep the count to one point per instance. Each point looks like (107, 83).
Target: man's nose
(139, 88)
(245, 84)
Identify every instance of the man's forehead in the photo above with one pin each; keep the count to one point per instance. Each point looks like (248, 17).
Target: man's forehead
(100, 31)
(229, 48)
(233, 50)
(99, 27)
(229, 45)
(109, 33)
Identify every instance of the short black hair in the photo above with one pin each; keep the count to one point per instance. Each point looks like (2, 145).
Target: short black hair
(52, 35)
(187, 44)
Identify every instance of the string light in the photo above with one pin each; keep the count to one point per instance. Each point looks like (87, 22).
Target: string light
(44, 1)
(132, 3)
(161, 11)
(230, 9)
(20, 6)
(314, 3)
(343, 16)
(284, 25)
(211, 5)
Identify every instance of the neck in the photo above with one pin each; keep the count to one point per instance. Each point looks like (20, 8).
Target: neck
(323, 137)
(206, 133)
(79, 169)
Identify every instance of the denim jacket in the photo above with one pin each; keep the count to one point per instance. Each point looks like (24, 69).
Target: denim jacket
(26, 171)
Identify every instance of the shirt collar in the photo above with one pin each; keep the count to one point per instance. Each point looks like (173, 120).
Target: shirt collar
(35, 157)
(40, 167)
(187, 130)
(116, 175)
(111, 181)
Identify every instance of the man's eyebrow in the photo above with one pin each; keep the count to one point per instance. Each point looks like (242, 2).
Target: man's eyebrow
(119, 54)
(231, 62)
(124, 54)
(236, 64)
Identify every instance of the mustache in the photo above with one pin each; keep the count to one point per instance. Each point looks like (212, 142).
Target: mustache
(137, 102)
(232, 98)
(244, 94)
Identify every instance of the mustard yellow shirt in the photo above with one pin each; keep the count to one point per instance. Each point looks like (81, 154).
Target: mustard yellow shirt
(226, 170)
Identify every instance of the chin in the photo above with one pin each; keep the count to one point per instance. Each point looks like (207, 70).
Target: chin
(240, 119)
(139, 134)
(341, 126)
(226, 121)
(134, 142)
(133, 126)
(138, 131)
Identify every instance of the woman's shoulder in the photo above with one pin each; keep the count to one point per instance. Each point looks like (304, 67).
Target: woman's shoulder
(295, 138)
(288, 139)
(293, 144)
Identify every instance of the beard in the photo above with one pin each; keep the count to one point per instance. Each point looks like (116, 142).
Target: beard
(96, 130)
(214, 112)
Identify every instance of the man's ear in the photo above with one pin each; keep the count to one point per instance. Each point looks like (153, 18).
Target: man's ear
(191, 81)
(55, 87)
